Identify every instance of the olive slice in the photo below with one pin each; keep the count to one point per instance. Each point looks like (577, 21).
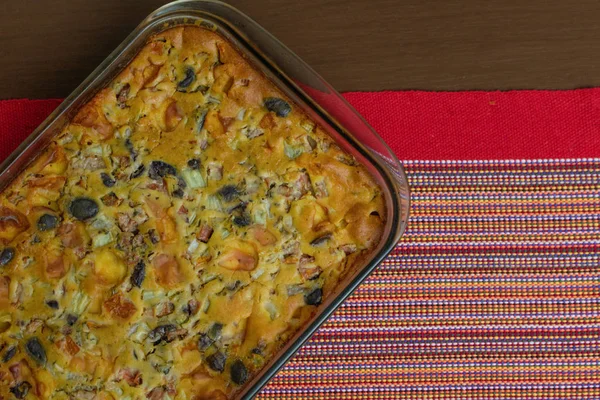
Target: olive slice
(36, 350)
(6, 256)
(239, 373)
(280, 107)
(47, 222)
(83, 208)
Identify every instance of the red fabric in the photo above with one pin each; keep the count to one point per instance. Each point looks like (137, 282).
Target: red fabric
(433, 125)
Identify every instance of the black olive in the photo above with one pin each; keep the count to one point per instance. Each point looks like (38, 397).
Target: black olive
(20, 390)
(36, 350)
(239, 373)
(160, 169)
(159, 333)
(47, 222)
(200, 116)
(242, 220)
(194, 163)
(83, 208)
(314, 298)
(138, 274)
(215, 331)
(154, 238)
(107, 180)
(71, 319)
(177, 193)
(190, 76)
(10, 353)
(6, 256)
(229, 192)
(216, 361)
(130, 148)
(257, 351)
(52, 304)
(280, 107)
(138, 172)
(204, 342)
(320, 240)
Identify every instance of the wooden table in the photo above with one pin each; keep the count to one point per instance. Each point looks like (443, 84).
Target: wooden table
(48, 47)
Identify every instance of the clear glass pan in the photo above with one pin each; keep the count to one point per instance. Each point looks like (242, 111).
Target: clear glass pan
(287, 71)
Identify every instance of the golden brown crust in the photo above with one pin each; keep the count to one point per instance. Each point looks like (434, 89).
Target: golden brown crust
(177, 232)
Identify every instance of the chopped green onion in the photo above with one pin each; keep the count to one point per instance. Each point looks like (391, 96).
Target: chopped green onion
(213, 203)
(140, 333)
(260, 215)
(240, 114)
(80, 302)
(149, 295)
(96, 149)
(193, 246)
(290, 151)
(102, 239)
(272, 310)
(193, 178)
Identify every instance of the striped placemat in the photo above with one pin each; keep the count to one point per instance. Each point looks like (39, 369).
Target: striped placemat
(493, 293)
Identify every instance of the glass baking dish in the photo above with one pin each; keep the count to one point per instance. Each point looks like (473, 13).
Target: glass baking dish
(291, 75)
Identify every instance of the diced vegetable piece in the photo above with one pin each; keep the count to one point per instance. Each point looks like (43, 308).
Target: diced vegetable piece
(79, 302)
(213, 203)
(238, 256)
(119, 306)
(68, 345)
(102, 239)
(214, 171)
(167, 271)
(164, 308)
(140, 333)
(193, 178)
(263, 235)
(292, 152)
(159, 333)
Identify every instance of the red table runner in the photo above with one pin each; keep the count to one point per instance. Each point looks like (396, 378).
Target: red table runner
(494, 292)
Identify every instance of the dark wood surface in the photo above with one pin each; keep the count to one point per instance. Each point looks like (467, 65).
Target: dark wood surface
(49, 46)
